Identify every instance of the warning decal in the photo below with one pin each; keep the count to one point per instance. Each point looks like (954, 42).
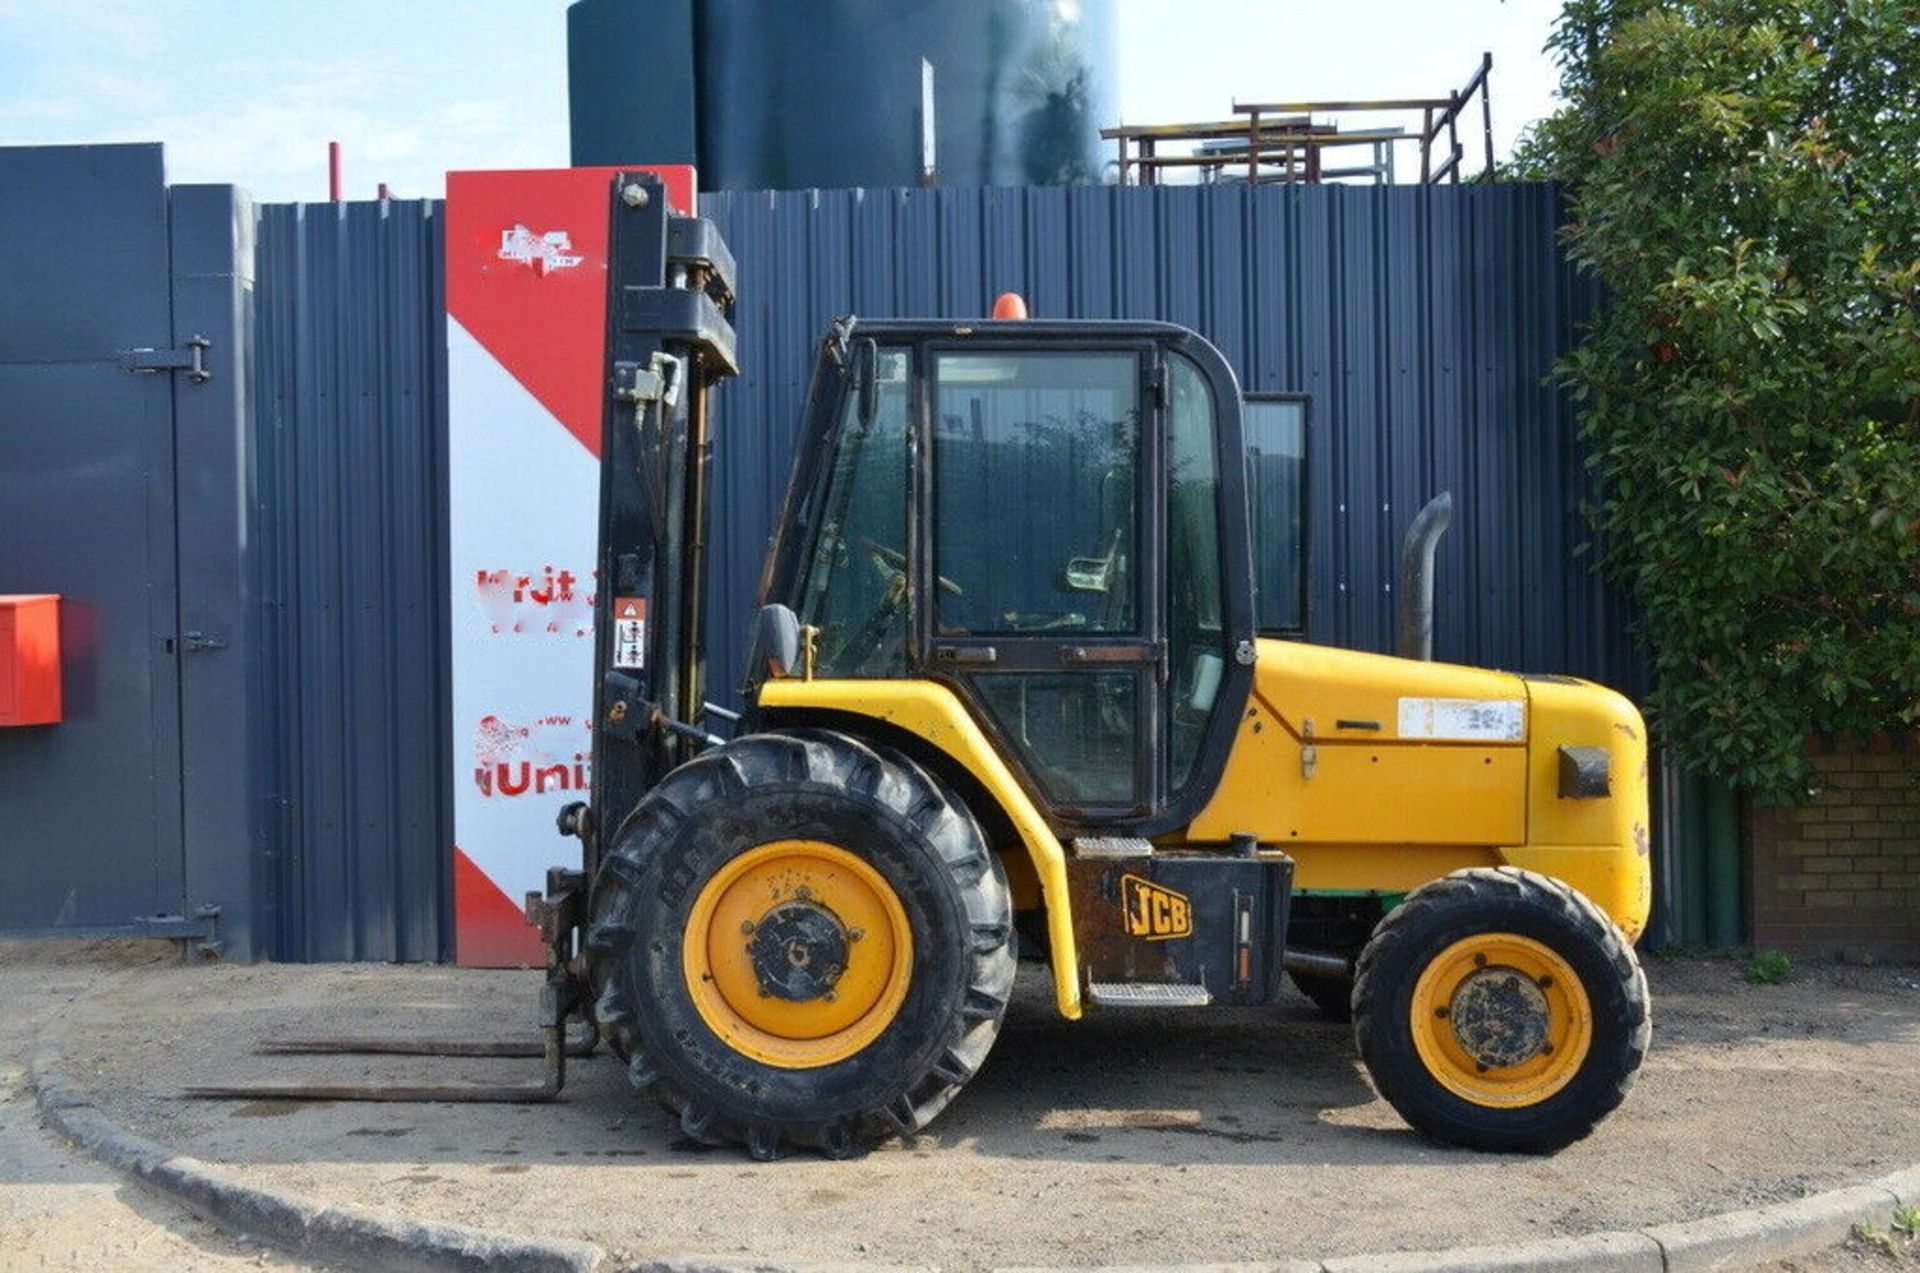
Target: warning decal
(630, 632)
(1465, 719)
(526, 311)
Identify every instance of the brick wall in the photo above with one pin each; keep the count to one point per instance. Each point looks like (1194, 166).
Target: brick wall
(1843, 872)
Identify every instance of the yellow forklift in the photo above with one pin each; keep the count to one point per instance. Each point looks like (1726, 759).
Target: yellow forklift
(1010, 697)
(1007, 699)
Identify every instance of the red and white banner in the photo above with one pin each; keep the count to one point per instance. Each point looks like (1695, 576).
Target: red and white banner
(526, 271)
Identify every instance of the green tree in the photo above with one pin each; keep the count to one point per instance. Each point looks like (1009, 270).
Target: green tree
(1744, 179)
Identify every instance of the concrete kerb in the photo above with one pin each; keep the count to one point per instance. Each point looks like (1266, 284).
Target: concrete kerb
(363, 1237)
(354, 1236)
(1612, 1252)
(1904, 1185)
(1739, 1239)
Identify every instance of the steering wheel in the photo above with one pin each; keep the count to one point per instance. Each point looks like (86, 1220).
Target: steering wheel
(892, 560)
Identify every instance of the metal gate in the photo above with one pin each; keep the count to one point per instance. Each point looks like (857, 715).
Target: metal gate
(121, 339)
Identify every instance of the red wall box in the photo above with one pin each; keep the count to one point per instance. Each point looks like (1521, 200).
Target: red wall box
(29, 659)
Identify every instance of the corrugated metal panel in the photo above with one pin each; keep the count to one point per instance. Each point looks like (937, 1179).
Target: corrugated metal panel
(1421, 321)
(351, 423)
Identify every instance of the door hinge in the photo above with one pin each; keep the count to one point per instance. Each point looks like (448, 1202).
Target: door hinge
(1309, 754)
(190, 358)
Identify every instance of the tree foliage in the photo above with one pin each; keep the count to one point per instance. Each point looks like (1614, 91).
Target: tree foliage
(1744, 179)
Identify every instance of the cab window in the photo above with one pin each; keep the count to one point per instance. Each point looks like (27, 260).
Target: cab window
(1035, 460)
(1276, 483)
(1196, 632)
(856, 580)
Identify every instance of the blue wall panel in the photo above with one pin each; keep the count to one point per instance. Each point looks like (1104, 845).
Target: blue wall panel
(351, 428)
(1421, 321)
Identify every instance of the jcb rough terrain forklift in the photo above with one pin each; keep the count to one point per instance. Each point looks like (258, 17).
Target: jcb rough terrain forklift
(1008, 697)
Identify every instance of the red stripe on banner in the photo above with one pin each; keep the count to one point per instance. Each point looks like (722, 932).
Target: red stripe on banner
(489, 931)
(526, 262)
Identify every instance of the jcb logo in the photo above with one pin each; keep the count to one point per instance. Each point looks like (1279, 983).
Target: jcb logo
(1154, 913)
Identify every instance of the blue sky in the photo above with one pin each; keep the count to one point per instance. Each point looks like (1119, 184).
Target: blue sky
(251, 92)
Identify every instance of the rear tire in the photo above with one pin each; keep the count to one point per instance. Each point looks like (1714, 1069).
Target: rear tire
(749, 1077)
(1497, 1009)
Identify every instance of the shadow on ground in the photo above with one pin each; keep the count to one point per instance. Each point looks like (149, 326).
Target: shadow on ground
(1129, 1137)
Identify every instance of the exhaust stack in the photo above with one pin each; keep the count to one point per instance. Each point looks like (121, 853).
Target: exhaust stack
(1414, 620)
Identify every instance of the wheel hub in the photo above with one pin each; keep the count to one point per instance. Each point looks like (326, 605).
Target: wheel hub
(799, 951)
(1500, 1017)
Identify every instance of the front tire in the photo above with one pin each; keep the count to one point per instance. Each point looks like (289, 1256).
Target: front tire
(800, 940)
(1498, 1009)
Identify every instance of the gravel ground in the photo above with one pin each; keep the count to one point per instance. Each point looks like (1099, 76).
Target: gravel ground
(1131, 1137)
(59, 1209)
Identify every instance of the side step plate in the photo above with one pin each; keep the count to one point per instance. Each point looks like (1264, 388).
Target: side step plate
(1112, 847)
(1148, 994)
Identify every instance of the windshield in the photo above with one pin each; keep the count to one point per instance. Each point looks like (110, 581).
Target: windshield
(854, 587)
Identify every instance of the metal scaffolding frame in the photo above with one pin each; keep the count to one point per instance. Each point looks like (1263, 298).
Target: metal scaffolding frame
(1269, 141)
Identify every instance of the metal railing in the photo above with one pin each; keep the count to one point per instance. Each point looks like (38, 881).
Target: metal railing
(1283, 141)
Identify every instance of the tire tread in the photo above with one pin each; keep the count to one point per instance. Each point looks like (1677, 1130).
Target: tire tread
(832, 761)
(1479, 889)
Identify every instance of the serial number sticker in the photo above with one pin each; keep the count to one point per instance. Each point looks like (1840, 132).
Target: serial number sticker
(630, 633)
(1477, 719)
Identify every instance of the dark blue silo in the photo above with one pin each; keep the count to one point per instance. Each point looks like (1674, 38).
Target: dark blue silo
(829, 93)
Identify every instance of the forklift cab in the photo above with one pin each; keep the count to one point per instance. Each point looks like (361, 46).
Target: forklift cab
(1051, 519)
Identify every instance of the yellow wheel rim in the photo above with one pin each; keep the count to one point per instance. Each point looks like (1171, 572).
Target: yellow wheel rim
(797, 954)
(1501, 1020)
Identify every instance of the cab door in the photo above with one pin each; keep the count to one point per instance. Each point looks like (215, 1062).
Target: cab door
(1041, 563)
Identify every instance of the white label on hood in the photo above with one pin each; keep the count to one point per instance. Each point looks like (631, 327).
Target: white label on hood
(1473, 719)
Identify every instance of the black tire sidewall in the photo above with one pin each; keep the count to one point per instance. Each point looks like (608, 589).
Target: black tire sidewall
(701, 1065)
(1426, 1102)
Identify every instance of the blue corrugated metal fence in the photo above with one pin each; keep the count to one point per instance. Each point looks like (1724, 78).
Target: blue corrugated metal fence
(351, 417)
(1420, 321)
